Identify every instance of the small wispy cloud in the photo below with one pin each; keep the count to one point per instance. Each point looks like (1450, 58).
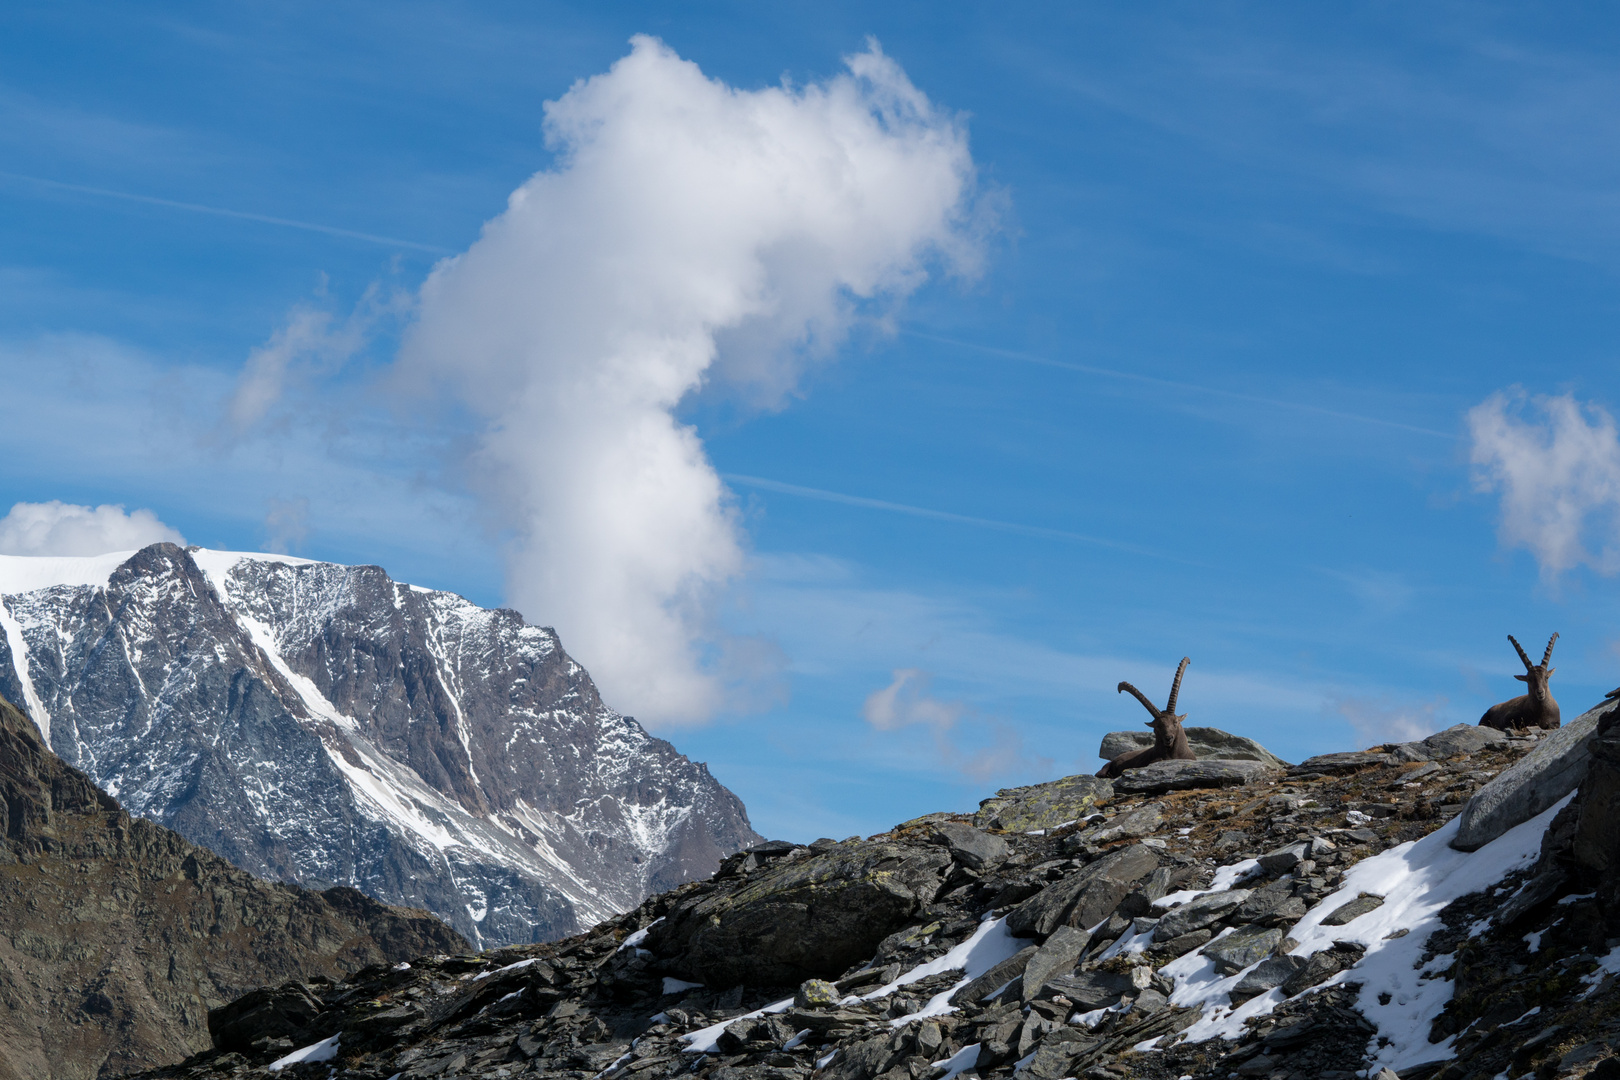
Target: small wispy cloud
(1556, 463)
(64, 529)
(286, 525)
(907, 702)
(1383, 720)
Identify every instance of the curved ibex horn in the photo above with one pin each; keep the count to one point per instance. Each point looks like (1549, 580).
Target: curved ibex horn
(1548, 655)
(1175, 687)
(1139, 696)
(1527, 664)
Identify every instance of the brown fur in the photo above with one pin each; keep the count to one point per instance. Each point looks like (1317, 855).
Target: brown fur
(1169, 740)
(1534, 709)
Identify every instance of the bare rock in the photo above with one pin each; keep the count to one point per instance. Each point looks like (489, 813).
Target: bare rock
(1085, 896)
(1206, 742)
(973, 848)
(1043, 806)
(1242, 947)
(1200, 912)
(1546, 774)
(1163, 776)
(1057, 956)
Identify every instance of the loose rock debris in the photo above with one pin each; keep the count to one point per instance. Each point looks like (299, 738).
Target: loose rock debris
(1066, 930)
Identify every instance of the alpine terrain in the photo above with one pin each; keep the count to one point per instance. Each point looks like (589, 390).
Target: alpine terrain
(1446, 909)
(327, 725)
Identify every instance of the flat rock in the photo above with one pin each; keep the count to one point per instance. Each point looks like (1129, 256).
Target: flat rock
(1355, 909)
(1043, 806)
(973, 848)
(1347, 762)
(1163, 776)
(1452, 742)
(1086, 896)
(997, 977)
(1242, 947)
(1206, 742)
(1546, 774)
(1097, 989)
(1057, 956)
(809, 918)
(1268, 974)
(1199, 912)
(1134, 824)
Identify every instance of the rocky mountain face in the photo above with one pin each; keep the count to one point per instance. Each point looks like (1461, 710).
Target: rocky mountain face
(326, 725)
(1199, 920)
(117, 936)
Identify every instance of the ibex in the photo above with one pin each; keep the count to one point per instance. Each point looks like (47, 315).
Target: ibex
(1169, 741)
(1535, 709)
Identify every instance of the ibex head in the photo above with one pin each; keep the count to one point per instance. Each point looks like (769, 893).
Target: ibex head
(1166, 724)
(1535, 675)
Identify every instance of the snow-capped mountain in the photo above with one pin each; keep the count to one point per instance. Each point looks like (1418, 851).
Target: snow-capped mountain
(327, 725)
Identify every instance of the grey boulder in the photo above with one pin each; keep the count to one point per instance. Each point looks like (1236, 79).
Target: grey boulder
(1134, 824)
(973, 848)
(1043, 806)
(1199, 912)
(1163, 776)
(1452, 742)
(1057, 956)
(1268, 974)
(1091, 990)
(1242, 947)
(1347, 762)
(1546, 774)
(1086, 896)
(811, 918)
(1206, 742)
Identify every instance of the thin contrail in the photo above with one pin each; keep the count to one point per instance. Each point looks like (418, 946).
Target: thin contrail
(1111, 373)
(219, 211)
(765, 484)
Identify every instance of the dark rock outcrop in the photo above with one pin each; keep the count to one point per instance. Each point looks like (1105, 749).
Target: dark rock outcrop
(117, 936)
(1206, 742)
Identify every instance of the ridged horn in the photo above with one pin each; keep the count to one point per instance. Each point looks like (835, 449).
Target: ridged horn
(1175, 687)
(1527, 664)
(1548, 655)
(1139, 696)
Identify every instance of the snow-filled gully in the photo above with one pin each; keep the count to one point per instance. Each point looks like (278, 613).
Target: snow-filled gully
(1417, 880)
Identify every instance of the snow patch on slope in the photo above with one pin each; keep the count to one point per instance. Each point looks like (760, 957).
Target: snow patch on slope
(1417, 880)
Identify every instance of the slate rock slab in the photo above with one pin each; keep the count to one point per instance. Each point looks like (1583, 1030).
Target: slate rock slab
(1091, 990)
(1336, 764)
(1206, 742)
(973, 848)
(1355, 909)
(1242, 947)
(1057, 956)
(1546, 774)
(811, 918)
(1452, 742)
(1134, 824)
(1267, 975)
(1086, 896)
(1163, 776)
(1043, 806)
(1199, 912)
(997, 977)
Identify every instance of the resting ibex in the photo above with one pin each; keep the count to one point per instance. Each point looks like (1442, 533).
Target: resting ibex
(1535, 709)
(1169, 741)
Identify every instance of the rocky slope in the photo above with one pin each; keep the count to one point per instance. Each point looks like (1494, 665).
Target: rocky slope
(117, 936)
(1220, 919)
(327, 725)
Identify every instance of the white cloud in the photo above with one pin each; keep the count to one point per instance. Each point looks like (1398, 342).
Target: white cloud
(690, 233)
(1381, 720)
(62, 529)
(906, 701)
(1559, 476)
(995, 749)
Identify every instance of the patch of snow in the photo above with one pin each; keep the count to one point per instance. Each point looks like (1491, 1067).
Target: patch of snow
(639, 936)
(1607, 965)
(29, 573)
(1130, 943)
(1226, 877)
(675, 986)
(823, 1062)
(1533, 939)
(1577, 899)
(503, 970)
(959, 1062)
(797, 1039)
(1417, 880)
(325, 1050)
(989, 946)
(19, 664)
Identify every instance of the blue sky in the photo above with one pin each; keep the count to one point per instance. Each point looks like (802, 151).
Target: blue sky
(1205, 391)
